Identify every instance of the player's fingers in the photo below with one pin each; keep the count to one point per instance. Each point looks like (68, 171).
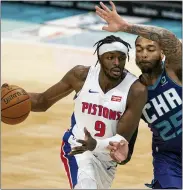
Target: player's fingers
(101, 11)
(83, 142)
(106, 28)
(97, 8)
(105, 7)
(87, 133)
(79, 148)
(112, 148)
(123, 142)
(113, 6)
(101, 15)
(116, 156)
(5, 85)
(98, 13)
(72, 153)
(121, 157)
(113, 143)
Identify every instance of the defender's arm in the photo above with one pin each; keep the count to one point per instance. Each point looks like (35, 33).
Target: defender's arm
(130, 119)
(170, 44)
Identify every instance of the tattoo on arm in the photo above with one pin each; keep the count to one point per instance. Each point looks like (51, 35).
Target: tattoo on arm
(170, 44)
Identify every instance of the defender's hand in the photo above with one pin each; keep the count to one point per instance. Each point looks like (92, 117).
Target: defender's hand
(113, 19)
(119, 150)
(88, 144)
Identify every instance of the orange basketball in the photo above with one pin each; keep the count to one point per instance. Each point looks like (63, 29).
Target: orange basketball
(15, 104)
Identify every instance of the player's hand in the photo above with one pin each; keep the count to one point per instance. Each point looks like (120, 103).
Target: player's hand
(5, 85)
(118, 150)
(88, 144)
(113, 19)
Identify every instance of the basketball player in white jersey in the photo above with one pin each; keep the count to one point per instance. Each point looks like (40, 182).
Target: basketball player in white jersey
(104, 111)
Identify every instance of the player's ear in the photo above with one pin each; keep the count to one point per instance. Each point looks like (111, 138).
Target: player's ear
(162, 55)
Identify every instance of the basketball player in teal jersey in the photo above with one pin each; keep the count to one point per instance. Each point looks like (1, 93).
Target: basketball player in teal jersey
(163, 110)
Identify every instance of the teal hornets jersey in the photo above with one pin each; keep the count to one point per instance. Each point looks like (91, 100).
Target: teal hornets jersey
(163, 113)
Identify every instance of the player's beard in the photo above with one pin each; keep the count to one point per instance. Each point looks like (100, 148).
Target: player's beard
(150, 70)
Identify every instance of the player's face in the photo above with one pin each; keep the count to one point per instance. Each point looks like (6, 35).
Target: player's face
(112, 64)
(148, 55)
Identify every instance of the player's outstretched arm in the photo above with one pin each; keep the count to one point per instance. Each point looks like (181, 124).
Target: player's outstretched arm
(128, 124)
(170, 44)
(72, 81)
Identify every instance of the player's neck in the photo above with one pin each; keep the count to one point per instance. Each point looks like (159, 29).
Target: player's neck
(150, 78)
(107, 84)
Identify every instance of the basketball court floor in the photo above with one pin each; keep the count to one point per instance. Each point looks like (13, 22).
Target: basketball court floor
(30, 151)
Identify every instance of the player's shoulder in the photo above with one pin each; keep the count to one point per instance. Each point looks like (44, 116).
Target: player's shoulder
(80, 72)
(138, 94)
(137, 89)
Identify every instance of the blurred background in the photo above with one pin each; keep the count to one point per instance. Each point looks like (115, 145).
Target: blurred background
(40, 42)
(75, 23)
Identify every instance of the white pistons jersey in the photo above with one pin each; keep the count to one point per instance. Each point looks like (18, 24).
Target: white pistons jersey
(100, 112)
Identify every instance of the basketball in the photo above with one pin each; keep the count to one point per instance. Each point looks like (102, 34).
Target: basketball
(15, 104)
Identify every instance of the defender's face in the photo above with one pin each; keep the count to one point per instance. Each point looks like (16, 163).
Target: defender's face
(112, 64)
(148, 55)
